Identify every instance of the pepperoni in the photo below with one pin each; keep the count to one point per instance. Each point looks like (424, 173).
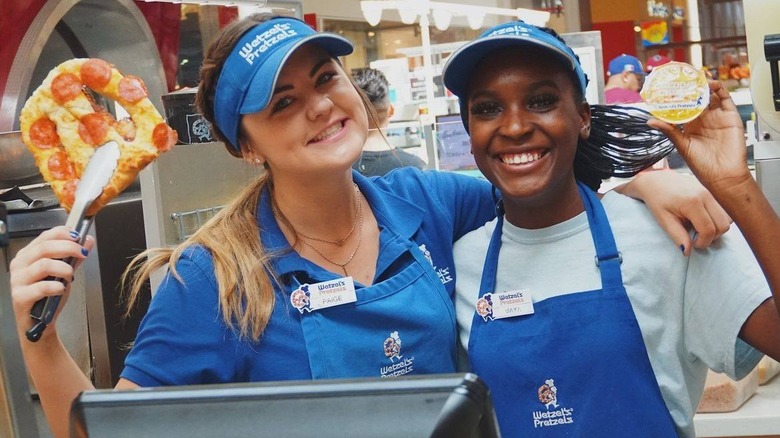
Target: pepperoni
(43, 133)
(65, 87)
(93, 128)
(132, 89)
(96, 73)
(164, 137)
(69, 192)
(59, 166)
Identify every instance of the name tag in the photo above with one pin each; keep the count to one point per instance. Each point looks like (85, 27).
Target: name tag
(500, 305)
(311, 297)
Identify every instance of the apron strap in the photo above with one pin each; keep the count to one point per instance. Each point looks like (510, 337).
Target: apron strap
(608, 258)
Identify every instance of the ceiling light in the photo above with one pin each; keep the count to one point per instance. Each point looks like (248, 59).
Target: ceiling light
(408, 16)
(441, 19)
(372, 12)
(476, 19)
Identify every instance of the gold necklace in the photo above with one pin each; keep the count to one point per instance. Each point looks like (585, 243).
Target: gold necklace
(339, 242)
(343, 266)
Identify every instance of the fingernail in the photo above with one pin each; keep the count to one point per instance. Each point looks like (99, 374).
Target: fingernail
(74, 234)
(682, 248)
(85, 252)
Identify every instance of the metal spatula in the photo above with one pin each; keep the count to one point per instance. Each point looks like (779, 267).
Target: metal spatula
(97, 174)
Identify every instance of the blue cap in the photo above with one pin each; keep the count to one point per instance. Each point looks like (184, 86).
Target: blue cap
(460, 66)
(248, 78)
(625, 63)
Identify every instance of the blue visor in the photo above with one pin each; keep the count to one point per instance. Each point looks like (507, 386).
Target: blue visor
(248, 78)
(460, 66)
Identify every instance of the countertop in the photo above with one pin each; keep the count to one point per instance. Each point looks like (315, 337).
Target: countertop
(760, 415)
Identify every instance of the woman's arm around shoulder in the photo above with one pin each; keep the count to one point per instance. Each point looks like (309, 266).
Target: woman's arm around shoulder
(679, 202)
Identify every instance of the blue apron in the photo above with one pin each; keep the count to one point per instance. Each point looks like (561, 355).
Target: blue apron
(404, 325)
(577, 366)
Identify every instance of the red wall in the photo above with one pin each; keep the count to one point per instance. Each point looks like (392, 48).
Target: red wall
(15, 18)
(617, 38)
(17, 15)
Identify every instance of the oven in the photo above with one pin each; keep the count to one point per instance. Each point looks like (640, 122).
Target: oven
(42, 34)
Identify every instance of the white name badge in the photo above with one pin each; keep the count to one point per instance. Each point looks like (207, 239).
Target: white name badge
(310, 297)
(500, 305)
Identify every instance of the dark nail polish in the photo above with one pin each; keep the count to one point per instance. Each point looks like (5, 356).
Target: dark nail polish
(682, 248)
(74, 234)
(84, 251)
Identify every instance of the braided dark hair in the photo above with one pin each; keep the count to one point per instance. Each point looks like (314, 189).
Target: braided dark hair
(620, 142)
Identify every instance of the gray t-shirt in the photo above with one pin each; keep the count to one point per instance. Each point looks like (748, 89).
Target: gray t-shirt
(690, 309)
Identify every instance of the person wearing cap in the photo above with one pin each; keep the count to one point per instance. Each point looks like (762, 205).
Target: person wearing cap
(312, 272)
(581, 316)
(378, 156)
(655, 61)
(625, 77)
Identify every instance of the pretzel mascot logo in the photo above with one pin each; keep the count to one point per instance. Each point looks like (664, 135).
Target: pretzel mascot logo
(485, 307)
(548, 394)
(392, 347)
(300, 299)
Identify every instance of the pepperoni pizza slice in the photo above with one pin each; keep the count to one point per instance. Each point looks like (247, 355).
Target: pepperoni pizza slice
(61, 125)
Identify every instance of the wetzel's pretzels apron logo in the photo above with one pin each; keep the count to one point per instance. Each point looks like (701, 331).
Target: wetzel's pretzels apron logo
(392, 349)
(548, 396)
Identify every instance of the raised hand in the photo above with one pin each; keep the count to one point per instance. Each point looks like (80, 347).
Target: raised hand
(713, 145)
(35, 266)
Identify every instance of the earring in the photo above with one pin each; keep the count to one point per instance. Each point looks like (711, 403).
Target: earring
(257, 161)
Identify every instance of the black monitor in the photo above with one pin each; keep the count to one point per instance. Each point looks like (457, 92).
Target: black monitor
(453, 144)
(445, 405)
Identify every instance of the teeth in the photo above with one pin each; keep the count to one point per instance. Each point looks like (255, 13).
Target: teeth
(328, 132)
(524, 158)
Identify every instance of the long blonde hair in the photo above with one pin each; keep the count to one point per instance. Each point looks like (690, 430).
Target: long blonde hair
(245, 276)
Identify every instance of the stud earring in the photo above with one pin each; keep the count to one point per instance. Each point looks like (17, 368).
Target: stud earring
(257, 161)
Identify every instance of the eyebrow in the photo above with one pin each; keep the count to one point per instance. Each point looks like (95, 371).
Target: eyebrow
(533, 87)
(313, 71)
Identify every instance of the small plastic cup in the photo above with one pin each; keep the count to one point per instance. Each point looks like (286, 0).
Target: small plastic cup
(676, 92)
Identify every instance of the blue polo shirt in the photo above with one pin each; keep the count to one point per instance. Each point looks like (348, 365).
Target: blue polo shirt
(183, 339)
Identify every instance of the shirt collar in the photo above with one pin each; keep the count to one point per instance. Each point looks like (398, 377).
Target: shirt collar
(394, 214)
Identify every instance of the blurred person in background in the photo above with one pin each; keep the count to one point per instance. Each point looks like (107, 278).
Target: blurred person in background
(625, 77)
(379, 156)
(655, 61)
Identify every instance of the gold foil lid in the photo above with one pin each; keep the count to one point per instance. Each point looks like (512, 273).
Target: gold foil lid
(676, 92)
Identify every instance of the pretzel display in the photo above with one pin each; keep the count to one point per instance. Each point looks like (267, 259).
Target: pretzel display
(61, 125)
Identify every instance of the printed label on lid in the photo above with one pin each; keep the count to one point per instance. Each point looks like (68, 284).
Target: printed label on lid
(676, 92)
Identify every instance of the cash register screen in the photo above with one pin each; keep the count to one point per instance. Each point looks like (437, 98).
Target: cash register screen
(447, 405)
(453, 144)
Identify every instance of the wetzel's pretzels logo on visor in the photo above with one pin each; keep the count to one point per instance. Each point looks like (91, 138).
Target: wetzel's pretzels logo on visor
(249, 76)
(265, 41)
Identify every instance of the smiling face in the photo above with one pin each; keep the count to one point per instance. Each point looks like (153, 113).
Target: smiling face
(525, 123)
(315, 121)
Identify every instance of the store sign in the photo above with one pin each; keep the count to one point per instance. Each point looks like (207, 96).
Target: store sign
(654, 33)
(657, 9)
